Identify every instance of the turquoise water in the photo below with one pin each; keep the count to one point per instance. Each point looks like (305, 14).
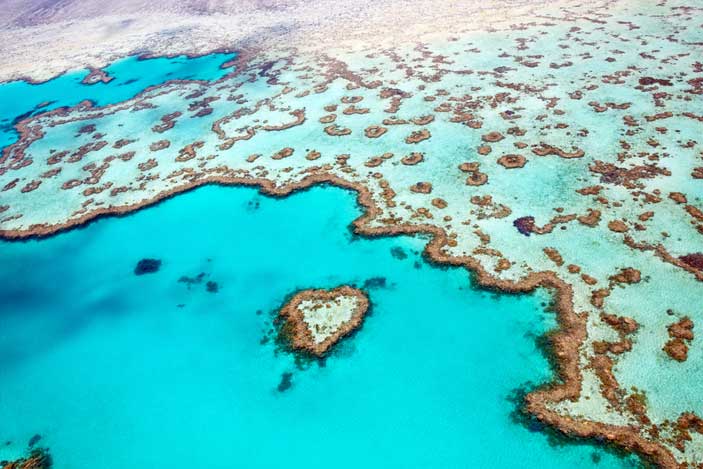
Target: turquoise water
(115, 370)
(131, 76)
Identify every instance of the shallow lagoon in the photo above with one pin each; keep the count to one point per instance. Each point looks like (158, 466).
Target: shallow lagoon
(130, 77)
(116, 370)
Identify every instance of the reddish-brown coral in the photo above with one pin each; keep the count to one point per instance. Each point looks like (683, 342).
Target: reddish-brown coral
(295, 330)
(512, 161)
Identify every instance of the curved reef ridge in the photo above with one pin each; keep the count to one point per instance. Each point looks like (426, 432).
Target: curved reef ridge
(315, 320)
(556, 146)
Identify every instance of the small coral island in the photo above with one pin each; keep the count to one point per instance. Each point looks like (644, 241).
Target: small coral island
(314, 320)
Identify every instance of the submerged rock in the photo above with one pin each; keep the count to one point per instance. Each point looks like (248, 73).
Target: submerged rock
(34, 440)
(286, 382)
(694, 260)
(192, 280)
(525, 225)
(398, 253)
(375, 282)
(147, 266)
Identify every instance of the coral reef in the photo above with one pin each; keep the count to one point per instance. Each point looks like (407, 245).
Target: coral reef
(539, 149)
(315, 320)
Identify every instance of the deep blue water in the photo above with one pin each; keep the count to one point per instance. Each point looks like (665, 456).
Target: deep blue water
(115, 370)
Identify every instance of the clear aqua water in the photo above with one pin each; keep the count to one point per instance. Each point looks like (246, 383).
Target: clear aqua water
(131, 76)
(112, 373)
(115, 370)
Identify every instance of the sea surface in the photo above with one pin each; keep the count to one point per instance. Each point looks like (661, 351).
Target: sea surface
(117, 370)
(130, 77)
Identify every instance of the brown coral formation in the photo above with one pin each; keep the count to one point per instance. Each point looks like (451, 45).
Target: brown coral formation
(484, 150)
(694, 260)
(282, 153)
(96, 75)
(30, 186)
(313, 155)
(592, 217)
(188, 152)
(617, 226)
(627, 275)
(375, 131)
(681, 334)
(422, 120)
(678, 197)
(337, 131)
(544, 149)
(554, 256)
(492, 137)
(37, 459)
(512, 161)
(377, 160)
(421, 188)
(412, 159)
(295, 329)
(298, 119)
(418, 136)
(676, 349)
(167, 122)
(624, 326)
(159, 145)
(477, 178)
(351, 110)
(151, 163)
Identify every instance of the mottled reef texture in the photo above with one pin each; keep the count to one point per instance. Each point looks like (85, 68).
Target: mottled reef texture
(538, 145)
(37, 459)
(314, 320)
